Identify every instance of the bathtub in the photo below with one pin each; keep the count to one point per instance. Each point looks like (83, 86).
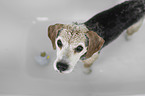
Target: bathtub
(120, 69)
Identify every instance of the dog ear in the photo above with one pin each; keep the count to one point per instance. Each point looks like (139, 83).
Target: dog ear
(95, 43)
(52, 33)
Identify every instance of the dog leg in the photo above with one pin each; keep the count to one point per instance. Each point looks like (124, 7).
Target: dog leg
(134, 28)
(88, 63)
(87, 68)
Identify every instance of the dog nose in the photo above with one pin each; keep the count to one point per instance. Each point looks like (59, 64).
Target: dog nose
(61, 66)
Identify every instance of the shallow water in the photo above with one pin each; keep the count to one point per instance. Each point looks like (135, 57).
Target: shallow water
(118, 71)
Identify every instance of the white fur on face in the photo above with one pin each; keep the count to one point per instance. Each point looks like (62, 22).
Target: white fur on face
(70, 40)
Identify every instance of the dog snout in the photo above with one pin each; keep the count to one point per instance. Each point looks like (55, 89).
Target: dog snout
(62, 66)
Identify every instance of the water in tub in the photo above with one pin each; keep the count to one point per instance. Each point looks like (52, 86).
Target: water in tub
(120, 69)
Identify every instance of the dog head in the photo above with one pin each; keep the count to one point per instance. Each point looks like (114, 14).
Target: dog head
(72, 42)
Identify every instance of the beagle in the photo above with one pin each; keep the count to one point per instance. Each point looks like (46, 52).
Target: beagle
(84, 41)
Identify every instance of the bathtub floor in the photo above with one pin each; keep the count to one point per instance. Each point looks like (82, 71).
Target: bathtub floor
(120, 69)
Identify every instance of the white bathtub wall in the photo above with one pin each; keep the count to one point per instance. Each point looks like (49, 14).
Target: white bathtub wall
(120, 1)
(23, 35)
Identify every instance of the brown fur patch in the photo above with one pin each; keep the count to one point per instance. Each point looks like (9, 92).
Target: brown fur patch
(95, 43)
(87, 65)
(52, 33)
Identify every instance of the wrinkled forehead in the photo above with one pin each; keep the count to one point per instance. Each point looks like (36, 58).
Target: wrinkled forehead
(72, 36)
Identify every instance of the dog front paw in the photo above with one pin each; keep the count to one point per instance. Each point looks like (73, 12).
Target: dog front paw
(128, 37)
(87, 71)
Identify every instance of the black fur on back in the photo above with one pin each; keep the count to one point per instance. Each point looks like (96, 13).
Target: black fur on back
(111, 23)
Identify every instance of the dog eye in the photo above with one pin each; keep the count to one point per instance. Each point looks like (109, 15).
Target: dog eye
(79, 49)
(59, 43)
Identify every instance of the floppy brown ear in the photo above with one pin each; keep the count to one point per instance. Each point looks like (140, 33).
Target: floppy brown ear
(95, 43)
(52, 33)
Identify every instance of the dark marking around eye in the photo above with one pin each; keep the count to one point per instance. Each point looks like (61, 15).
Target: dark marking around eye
(79, 48)
(87, 41)
(59, 32)
(59, 43)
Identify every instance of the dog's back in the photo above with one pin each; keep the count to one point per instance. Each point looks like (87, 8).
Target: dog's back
(111, 23)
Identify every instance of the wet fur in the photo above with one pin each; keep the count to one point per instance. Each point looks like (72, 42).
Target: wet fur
(96, 33)
(110, 23)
